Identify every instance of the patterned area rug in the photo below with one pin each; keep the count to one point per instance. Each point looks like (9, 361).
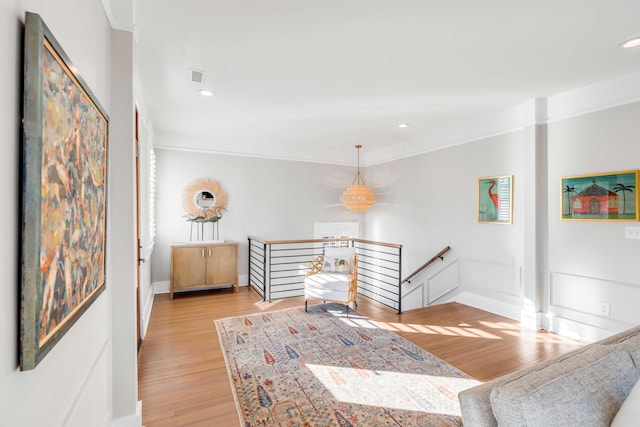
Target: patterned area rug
(322, 368)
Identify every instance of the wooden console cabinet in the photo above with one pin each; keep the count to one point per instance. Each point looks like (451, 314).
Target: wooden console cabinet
(196, 266)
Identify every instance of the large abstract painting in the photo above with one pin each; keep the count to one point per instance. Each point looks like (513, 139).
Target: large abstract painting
(64, 195)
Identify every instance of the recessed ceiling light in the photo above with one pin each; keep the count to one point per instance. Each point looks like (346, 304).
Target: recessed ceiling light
(403, 125)
(631, 43)
(206, 92)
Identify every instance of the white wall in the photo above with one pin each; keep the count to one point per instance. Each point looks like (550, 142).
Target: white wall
(271, 199)
(430, 201)
(592, 262)
(72, 386)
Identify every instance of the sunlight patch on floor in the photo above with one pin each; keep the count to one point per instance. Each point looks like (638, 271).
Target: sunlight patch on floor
(500, 325)
(453, 331)
(359, 322)
(266, 305)
(396, 390)
(355, 319)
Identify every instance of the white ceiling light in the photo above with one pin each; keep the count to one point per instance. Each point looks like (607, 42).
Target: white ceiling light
(206, 92)
(631, 43)
(403, 125)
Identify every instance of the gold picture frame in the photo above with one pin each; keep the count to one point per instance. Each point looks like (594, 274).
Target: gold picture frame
(611, 196)
(495, 200)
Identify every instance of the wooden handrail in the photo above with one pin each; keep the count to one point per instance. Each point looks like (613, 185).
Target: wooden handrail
(426, 264)
(341, 239)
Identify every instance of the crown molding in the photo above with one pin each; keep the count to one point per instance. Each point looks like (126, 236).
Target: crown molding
(599, 96)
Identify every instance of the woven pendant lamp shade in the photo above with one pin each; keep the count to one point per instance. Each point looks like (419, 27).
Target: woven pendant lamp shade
(358, 197)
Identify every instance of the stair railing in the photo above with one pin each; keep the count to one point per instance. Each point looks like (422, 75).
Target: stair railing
(439, 256)
(277, 267)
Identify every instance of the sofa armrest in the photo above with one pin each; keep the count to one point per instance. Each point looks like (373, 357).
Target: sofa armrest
(475, 406)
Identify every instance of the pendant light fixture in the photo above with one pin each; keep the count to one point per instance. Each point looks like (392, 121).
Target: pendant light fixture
(358, 197)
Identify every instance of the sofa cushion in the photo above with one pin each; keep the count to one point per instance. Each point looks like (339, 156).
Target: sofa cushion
(589, 395)
(475, 403)
(635, 355)
(629, 413)
(631, 343)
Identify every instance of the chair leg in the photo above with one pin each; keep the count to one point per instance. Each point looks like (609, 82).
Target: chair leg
(305, 305)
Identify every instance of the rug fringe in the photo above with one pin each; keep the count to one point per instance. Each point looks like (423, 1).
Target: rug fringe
(226, 362)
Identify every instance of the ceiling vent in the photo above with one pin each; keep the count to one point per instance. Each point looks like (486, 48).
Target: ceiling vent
(197, 76)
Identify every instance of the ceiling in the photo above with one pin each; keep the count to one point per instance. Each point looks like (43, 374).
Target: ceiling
(308, 80)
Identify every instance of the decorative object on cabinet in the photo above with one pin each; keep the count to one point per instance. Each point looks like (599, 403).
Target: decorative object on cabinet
(204, 201)
(358, 197)
(203, 265)
(606, 197)
(64, 192)
(495, 200)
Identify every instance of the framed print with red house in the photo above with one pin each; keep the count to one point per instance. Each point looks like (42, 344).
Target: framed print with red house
(607, 197)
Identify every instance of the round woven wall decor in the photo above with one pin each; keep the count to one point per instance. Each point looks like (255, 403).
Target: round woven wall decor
(204, 198)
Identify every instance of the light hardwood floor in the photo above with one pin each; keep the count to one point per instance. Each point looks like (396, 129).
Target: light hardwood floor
(183, 379)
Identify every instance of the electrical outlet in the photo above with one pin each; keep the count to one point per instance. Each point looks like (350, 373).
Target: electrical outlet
(632, 232)
(605, 309)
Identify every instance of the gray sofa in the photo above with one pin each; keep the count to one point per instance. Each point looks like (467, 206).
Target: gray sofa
(585, 387)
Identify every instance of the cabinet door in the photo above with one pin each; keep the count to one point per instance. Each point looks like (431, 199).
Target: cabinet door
(188, 267)
(222, 265)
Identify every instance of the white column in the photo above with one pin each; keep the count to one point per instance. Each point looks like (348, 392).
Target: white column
(122, 239)
(535, 216)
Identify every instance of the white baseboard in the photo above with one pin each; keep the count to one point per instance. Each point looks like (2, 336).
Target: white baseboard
(501, 308)
(134, 420)
(578, 330)
(161, 287)
(533, 320)
(146, 312)
(564, 326)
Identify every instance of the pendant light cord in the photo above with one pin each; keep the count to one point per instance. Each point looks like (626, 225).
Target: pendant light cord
(358, 179)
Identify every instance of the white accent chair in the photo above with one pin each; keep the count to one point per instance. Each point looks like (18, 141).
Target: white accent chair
(333, 276)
